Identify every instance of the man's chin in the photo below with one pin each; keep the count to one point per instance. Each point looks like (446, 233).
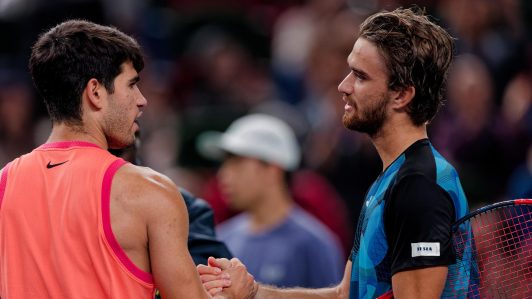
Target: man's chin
(349, 122)
(117, 145)
(361, 127)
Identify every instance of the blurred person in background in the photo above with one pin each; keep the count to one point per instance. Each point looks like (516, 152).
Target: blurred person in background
(403, 245)
(310, 190)
(466, 131)
(91, 225)
(16, 115)
(517, 113)
(276, 239)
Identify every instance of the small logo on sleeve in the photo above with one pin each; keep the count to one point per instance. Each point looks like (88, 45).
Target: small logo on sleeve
(425, 249)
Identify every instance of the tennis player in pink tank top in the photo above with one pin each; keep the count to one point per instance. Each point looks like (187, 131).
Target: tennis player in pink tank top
(75, 221)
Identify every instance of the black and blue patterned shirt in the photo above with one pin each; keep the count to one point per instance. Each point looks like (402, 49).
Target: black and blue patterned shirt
(406, 221)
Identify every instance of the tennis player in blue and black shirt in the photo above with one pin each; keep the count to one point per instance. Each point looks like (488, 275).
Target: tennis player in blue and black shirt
(403, 243)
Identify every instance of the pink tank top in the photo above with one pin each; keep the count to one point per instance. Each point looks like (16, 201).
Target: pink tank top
(56, 239)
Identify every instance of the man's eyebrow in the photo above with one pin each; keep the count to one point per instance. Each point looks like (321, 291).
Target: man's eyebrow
(134, 80)
(355, 69)
(359, 72)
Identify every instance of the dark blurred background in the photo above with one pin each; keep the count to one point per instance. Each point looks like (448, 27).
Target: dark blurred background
(211, 61)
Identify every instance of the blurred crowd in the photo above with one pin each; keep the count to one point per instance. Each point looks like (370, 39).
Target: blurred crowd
(212, 61)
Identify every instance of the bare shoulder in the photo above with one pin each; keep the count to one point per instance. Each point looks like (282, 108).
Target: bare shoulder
(145, 189)
(131, 175)
(144, 206)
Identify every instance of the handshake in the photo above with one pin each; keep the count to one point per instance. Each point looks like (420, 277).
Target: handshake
(227, 279)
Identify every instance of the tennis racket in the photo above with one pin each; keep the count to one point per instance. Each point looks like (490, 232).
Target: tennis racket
(494, 252)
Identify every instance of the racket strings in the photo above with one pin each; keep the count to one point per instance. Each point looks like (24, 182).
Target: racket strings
(494, 250)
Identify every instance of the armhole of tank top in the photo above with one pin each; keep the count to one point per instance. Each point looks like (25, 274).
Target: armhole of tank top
(3, 183)
(108, 231)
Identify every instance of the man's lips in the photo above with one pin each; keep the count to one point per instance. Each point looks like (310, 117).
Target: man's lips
(348, 107)
(137, 118)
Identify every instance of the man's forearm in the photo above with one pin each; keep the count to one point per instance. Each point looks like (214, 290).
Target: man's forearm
(268, 292)
(340, 291)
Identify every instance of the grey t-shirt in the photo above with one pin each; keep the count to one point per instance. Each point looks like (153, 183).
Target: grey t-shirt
(298, 252)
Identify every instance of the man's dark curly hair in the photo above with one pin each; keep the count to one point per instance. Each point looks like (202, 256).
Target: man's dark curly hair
(67, 56)
(417, 52)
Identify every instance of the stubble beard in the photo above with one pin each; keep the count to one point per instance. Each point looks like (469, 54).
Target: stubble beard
(371, 120)
(120, 141)
(119, 135)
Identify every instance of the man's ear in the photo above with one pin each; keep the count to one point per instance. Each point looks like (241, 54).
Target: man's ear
(403, 97)
(95, 92)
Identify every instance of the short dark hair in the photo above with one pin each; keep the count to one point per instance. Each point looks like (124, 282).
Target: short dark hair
(417, 53)
(67, 56)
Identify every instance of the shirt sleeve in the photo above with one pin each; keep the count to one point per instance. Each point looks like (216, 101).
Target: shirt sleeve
(418, 219)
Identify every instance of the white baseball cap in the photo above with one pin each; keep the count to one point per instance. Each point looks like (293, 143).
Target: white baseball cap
(259, 136)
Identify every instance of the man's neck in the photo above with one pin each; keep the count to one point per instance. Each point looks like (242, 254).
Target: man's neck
(66, 132)
(273, 208)
(394, 139)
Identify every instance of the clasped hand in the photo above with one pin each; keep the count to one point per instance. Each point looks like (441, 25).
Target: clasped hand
(228, 279)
